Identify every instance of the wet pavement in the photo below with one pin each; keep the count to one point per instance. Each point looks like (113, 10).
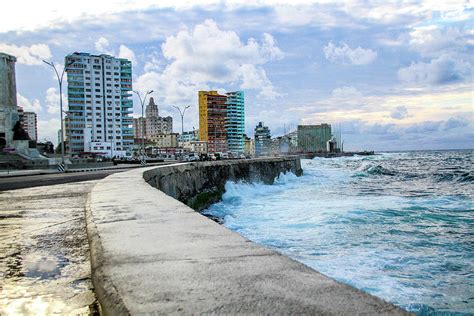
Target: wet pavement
(44, 252)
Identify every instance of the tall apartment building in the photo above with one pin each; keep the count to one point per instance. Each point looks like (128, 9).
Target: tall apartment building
(152, 124)
(222, 121)
(313, 138)
(100, 104)
(212, 121)
(263, 140)
(30, 123)
(235, 122)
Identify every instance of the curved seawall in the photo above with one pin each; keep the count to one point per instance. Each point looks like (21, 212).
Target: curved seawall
(151, 253)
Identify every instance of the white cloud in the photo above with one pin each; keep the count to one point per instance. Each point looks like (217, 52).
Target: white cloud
(125, 52)
(346, 55)
(432, 40)
(48, 130)
(439, 71)
(102, 45)
(52, 101)
(27, 55)
(207, 55)
(28, 105)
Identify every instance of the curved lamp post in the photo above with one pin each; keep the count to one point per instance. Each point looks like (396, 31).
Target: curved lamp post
(142, 102)
(181, 112)
(60, 82)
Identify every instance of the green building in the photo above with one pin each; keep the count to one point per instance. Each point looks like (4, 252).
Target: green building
(313, 138)
(235, 122)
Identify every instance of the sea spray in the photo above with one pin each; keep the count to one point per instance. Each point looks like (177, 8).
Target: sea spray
(397, 225)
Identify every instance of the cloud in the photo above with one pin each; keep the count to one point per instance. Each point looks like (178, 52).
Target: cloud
(439, 71)
(125, 52)
(102, 45)
(28, 105)
(399, 113)
(52, 101)
(27, 55)
(455, 122)
(207, 56)
(433, 40)
(48, 130)
(346, 93)
(346, 55)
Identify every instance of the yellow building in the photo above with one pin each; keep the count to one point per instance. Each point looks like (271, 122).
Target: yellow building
(212, 120)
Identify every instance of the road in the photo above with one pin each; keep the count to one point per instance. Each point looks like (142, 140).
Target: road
(20, 182)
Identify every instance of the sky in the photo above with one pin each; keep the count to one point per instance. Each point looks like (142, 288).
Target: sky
(392, 75)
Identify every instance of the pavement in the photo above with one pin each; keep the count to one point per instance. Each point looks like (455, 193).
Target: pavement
(151, 254)
(44, 253)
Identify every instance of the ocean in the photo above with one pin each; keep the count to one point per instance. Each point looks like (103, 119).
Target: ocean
(399, 225)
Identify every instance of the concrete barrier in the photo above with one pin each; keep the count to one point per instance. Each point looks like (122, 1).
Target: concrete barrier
(151, 253)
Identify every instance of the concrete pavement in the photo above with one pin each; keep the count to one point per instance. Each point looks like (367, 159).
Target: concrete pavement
(44, 252)
(153, 254)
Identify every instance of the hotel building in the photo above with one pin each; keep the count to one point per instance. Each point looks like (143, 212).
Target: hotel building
(99, 105)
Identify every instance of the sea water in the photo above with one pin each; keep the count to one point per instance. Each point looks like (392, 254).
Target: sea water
(397, 225)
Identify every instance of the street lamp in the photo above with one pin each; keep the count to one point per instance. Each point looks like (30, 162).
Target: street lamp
(142, 102)
(181, 112)
(60, 82)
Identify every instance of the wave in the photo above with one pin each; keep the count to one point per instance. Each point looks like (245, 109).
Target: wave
(367, 169)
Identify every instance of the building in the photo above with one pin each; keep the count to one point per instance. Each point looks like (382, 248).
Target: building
(313, 138)
(152, 124)
(164, 140)
(248, 144)
(30, 124)
(235, 123)
(222, 121)
(212, 120)
(8, 104)
(263, 141)
(195, 146)
(189, 136)
(99, 105)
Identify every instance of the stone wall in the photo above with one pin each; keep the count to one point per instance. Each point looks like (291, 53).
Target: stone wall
(202, 183)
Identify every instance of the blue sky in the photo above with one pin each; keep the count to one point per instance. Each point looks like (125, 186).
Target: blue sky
(393, 75)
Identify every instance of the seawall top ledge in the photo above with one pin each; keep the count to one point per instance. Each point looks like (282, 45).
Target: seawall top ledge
(151, 253)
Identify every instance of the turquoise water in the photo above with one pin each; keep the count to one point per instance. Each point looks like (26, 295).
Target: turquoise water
(396, 225)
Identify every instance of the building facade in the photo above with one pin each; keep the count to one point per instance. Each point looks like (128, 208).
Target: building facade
(313, 138)
(152, 124)
(235, 123)
(99, 105)
(8, 103)
(212, 121)
(222, 121)
(263, 140)
(164, 140)
(30, 124)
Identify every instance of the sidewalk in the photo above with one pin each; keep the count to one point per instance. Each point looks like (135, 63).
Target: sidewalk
(19, 173)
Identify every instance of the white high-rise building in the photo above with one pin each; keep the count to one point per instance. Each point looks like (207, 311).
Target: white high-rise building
(100, 104)
(30, 124)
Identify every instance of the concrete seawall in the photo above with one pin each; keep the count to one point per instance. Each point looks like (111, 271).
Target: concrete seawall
(200, 184)
(151, 253)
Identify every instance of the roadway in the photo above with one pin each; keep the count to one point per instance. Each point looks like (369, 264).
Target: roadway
(29, 181)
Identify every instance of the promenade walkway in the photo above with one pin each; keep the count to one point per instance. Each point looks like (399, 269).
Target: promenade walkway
(44, 253)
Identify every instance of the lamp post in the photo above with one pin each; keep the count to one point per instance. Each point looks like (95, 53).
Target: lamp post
(181, 112)
(142, 102)
(60, 82)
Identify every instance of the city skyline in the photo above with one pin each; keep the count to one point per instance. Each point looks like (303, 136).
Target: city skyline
(395, 76)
